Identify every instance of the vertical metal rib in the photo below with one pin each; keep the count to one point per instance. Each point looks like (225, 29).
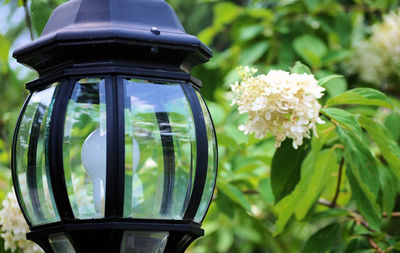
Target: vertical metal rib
(115, 182)
(202, 152)
(55, 149)
(167, 143)
(32, 172)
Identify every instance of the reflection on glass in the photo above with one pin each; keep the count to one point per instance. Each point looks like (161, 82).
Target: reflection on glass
(212, 163)
(60, 243)
(159, 141)
(32, 168)
(84, 148)
(143, 241)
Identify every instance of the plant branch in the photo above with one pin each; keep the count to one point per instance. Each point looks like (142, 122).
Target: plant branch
(28, 19)
(339, 181)
(250, 192)
(394, 214)
(374, 245)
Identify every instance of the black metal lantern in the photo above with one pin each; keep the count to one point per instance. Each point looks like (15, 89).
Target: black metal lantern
(114, 150)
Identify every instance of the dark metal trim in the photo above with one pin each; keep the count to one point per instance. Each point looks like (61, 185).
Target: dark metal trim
(216, 162)
(117, 224)
(202, 152)
(167, 142)
(14, 159)
(55, 148)
(31, 172)
(115, 182)
(131, 72)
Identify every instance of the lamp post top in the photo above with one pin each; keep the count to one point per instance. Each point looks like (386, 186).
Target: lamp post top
(142, 33)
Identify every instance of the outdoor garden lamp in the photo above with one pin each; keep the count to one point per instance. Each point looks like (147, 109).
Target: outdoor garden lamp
(115, 149)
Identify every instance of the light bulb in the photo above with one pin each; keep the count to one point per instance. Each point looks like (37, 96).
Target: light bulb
(94, 159)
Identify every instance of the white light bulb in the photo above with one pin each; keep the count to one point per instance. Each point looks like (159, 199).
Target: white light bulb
(94, 159)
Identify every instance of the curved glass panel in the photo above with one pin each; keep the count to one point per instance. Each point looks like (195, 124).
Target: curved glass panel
(84, 149)
(159, 150)
(212, 163)
(143, 241)
(60, 243)
(32, 170)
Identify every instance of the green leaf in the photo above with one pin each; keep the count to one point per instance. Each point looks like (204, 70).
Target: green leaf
(323, 239)
(285, 173)
(361, 96)
(40, 13)
(389, 183)
(310, 48)
(286, 207)
(311, 4)
(344, 119)
(392, 123)
(326, 79)
(251, 54)
(225, 12)
(382, 137)
(335, 56)
(234, 194)
(362, 174)
(325, 165)
(300, 68)
(264, 187)
(250, 32)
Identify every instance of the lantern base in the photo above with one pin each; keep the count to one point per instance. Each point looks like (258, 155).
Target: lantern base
(105, 236)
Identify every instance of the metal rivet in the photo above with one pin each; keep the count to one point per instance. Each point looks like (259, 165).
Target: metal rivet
(155, 30)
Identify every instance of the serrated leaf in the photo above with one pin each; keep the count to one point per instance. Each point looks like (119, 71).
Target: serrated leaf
(310, 48)
(344, 119)
(323, 239)
(382, 137)
(362, 174)
(285, 173)
(300, 68)
(234, 194)
(326, 79)
(361, 96)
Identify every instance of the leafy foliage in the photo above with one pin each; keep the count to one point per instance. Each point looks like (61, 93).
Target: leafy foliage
(288, 200)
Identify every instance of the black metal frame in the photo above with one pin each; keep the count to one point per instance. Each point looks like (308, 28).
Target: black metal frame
(182, 232)
(118, 45)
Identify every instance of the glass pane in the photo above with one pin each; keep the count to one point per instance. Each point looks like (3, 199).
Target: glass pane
(143, 241)
(34, 185)
(212, 163)
(159, 150)
(84, 148)
(60, 243)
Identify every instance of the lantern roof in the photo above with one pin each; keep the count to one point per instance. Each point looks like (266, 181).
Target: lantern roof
(113, 33)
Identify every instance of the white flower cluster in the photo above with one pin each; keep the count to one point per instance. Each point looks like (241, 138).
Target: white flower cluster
(14, 228)
(281, 103)
(378, 59)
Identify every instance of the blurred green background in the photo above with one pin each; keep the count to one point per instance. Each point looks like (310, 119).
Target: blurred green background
(330, 36)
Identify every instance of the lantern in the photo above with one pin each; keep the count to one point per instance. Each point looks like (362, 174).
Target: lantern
(115, 149)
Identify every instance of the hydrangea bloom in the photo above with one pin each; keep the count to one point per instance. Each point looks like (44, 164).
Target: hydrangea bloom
(377, 59)
(14, 227)
(282, 103)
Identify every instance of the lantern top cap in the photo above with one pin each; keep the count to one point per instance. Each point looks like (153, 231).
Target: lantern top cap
(129, 14)
(145, 23)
